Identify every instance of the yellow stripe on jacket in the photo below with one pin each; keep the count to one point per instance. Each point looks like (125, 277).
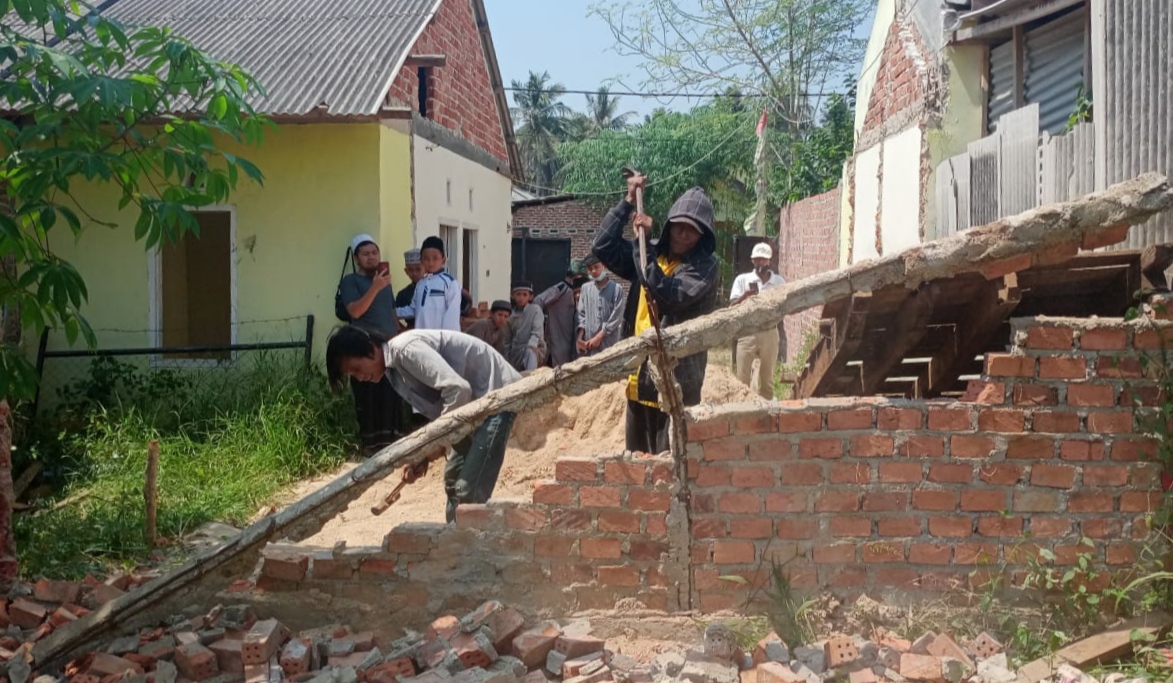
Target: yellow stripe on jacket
(643, 320)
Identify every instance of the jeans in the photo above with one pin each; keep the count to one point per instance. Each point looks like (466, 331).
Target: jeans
(471, 473)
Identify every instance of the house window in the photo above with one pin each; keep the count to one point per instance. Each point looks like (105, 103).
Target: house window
(424, 74)
(194, 289)
(468, 267)
(451, 236)
(1044, 62)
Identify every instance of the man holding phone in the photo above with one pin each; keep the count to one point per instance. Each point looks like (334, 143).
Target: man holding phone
(370, 302)
(762, 346)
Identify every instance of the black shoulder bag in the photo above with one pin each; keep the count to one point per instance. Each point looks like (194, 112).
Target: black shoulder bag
(340, 311)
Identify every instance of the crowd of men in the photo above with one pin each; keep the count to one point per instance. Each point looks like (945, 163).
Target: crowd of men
(408, 362)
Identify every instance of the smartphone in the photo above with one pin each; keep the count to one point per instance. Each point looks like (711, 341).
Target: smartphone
(383, 268)
(753, 287)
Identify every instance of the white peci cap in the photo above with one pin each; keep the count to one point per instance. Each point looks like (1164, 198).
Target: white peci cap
(761, 250)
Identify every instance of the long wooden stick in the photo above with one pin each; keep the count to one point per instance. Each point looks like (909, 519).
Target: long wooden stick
(1007, 245)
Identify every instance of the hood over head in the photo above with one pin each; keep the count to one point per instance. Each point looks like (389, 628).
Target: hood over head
(693, 206)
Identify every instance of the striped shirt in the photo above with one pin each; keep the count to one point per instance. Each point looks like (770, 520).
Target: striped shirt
(436, 304)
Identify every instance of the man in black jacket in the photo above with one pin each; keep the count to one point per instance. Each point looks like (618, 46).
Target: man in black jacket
(681, 277)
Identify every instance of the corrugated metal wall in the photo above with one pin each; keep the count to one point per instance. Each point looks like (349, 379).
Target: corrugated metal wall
(1134, 100)
(1054, 73)
(1001, 83)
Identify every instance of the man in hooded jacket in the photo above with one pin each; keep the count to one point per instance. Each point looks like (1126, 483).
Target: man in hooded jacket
(681, 277)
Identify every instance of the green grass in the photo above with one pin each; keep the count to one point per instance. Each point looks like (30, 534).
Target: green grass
(228, 439)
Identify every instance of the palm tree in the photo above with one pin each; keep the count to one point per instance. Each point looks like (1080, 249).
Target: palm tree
(601, 111)
(541, 120)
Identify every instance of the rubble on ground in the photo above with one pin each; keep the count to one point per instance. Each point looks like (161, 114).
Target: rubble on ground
(493, 644)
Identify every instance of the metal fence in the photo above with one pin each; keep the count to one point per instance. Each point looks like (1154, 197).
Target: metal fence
(64, 373)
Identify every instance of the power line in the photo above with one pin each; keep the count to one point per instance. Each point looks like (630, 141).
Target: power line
(629, 93)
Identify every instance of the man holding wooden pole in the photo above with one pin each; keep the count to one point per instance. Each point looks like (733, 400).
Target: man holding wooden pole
(674, 276)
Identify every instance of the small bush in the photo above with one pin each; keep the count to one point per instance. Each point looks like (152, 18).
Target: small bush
(228, 440)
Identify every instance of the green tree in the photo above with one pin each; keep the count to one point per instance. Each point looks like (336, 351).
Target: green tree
(603, 111)
(86, 100)
(542, 121)
(817, 159)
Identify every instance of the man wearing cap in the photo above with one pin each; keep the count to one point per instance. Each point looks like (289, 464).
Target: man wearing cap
(680, 277)
(600, 310)
(763, 346)
(494, 330)
(527, 344)
(557, 303)
(414, 271)
(370, 303)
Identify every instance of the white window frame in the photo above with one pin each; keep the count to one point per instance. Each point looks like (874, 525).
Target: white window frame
(474, 260)
(155, 297)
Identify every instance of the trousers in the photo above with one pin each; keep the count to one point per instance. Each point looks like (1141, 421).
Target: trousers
(472, 470)
(762, 347)
(647, 428)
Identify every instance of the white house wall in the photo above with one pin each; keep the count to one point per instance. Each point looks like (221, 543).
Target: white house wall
(443, 181)
(901, 191)
(867, 204)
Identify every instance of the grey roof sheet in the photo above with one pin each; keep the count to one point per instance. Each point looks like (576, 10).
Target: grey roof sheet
(305, 53)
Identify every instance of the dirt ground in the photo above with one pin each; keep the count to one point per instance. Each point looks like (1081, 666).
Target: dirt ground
(591, 424)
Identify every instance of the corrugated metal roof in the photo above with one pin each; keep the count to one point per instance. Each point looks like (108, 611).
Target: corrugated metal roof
(342, 54)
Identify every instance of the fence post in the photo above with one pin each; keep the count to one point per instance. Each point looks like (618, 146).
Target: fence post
(309, 340)
(41, 346)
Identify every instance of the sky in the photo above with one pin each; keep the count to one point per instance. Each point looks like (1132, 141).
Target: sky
(558, 36)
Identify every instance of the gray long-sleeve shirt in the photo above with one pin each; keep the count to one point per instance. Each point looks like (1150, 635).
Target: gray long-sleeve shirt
(437, 371)
(601, 309)
(527, 331)
(558, 304)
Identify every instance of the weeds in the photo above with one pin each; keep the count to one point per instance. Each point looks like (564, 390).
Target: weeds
(229, 440)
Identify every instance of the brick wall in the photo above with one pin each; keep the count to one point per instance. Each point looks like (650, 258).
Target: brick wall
(899, 498)
(575, 219)
(808, 238)
(899, 96)
(462, 95)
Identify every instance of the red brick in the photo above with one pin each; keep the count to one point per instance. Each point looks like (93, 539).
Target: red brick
(786, 502)
(975, 553)
(1034, 395)
(1062, 367)
(1050, 337)
(771, 450)
(951, 419)
(983, 501)
(741, 527)
(840, 553)
(1000, 474)
(570, 520)
(899, 419)
(1103, 339)
(703, 431)
(1140, 501)
(900, 473)
(1031, 500)
(1052, 476)
(648, 501)
(798, 422)
(930, 499)
(923, 446)
(950, 473)
(1001, 421)
(899, 526)
(961, 446)
(1119, 368)
(1006, 266)
(663, 474)
(762, 424)
(1081, 450)
(1110, 423)
(657, 525)
(712, 475)
(984, 393)
(624, 472)
(709, 528)
(1001, 527)
(196, 662)
(734, 552)
(1049, 527)
(882, 552)
(618, 521)
(1091, 395)
(621, 575)
(285, 566)
(740, 503)
(853, 418)
(1121, 553)
(837, 501)
(553, 546)
(850, 473)
(802, 474)
(821, 448)
(600, 496)
(796, 529)
(850, 526)
(872, 446)
(1055, 422)
(1131, 450)
(894, 577)
(1107, 527)
(1152, 340)
(549, 493)
(526, 518)
(752, 477)
(732, 448)
(1007, 365)
(951, 527)
(929, 553)
(1024, 447)
(600, 548)
(885, 501)
(1113, 235)
(576, 469)
(1090, 501)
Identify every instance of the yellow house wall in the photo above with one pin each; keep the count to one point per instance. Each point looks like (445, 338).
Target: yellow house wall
(323, 184)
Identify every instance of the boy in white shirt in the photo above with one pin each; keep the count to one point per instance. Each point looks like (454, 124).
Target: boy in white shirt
(436, 304)
(762, 346)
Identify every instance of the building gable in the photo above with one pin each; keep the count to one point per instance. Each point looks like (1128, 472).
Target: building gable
(902, 83)
(460, 95)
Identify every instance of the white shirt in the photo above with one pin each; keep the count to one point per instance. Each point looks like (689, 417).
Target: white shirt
(741, 283)
(436, 304)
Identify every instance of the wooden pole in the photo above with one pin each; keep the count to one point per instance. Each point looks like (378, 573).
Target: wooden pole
(1014, 243)
(151, 494)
